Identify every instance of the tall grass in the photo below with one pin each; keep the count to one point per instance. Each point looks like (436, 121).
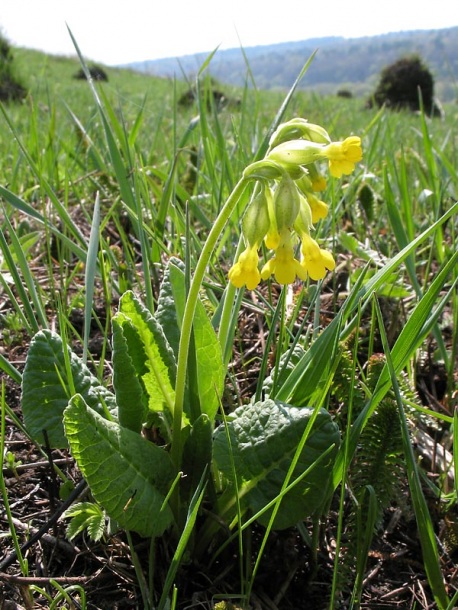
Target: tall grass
(94, 202)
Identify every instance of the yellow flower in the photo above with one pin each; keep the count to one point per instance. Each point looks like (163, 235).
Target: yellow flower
(272, 239)
(315, 260)
(342, 156)
(283, 265)
(318, 183)
(245, 270)
(319, 208)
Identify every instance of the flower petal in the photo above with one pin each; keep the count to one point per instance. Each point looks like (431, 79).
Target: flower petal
(245, 271)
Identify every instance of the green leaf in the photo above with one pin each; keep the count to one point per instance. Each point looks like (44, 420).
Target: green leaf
(166, 312)
(85, 516)
(149, 351)
(288, 362)
(263, 438)
(46, 388)
(422, 319)
(311, 372)
(425, 525)
(393, 288)
(197, 453)
(209, 359)
(127, 386)
(129, 476)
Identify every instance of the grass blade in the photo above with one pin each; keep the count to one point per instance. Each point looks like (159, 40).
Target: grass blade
(424, 522)
(182, 543)
(89, 276)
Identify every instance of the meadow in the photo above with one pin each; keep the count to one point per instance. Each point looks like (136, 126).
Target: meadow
(170, 439)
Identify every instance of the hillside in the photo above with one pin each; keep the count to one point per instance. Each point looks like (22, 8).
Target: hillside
(340, 63)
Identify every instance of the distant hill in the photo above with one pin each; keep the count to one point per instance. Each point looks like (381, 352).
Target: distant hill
(340, 63)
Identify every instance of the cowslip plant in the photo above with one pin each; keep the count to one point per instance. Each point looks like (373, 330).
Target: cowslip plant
(156, 447)
(122, 440)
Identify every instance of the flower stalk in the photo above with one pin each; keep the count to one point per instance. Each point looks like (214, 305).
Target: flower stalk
(188, 315)
(281, 212)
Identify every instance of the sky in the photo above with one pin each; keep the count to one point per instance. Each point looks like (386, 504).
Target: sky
(116, 32)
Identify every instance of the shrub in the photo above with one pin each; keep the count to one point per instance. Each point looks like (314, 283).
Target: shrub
(213, 94)
(11, 89)
(401, 83)
(96, 72)
(344, 93)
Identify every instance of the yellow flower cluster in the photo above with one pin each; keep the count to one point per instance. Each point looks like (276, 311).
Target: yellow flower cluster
(285, 205)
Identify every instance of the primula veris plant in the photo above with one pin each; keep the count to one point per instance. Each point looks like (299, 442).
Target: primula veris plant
(285, 206)
(164, 447)
(108, 433)
(157, 444)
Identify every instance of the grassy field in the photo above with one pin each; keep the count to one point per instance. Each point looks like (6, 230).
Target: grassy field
(171, 441)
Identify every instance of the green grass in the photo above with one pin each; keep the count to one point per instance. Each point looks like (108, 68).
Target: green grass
(93, 203)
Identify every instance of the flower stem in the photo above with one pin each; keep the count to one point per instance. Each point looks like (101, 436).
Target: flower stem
(188, 316)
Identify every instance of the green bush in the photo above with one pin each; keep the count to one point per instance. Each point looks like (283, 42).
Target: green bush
(96, 72)
(401, 84)
(11, 89)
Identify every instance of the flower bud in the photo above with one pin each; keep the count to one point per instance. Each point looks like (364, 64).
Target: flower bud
(299, 128)
(297, 152)
(263, 170)
(286, 203)
(303, 222)
(256, 221)
(304, 184)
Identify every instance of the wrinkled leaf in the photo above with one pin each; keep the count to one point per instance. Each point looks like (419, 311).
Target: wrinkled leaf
(149, 352)
(166, 312)
(263, 440)
(288, 362)
(129, 476)
(126, 383)
(46, 389)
